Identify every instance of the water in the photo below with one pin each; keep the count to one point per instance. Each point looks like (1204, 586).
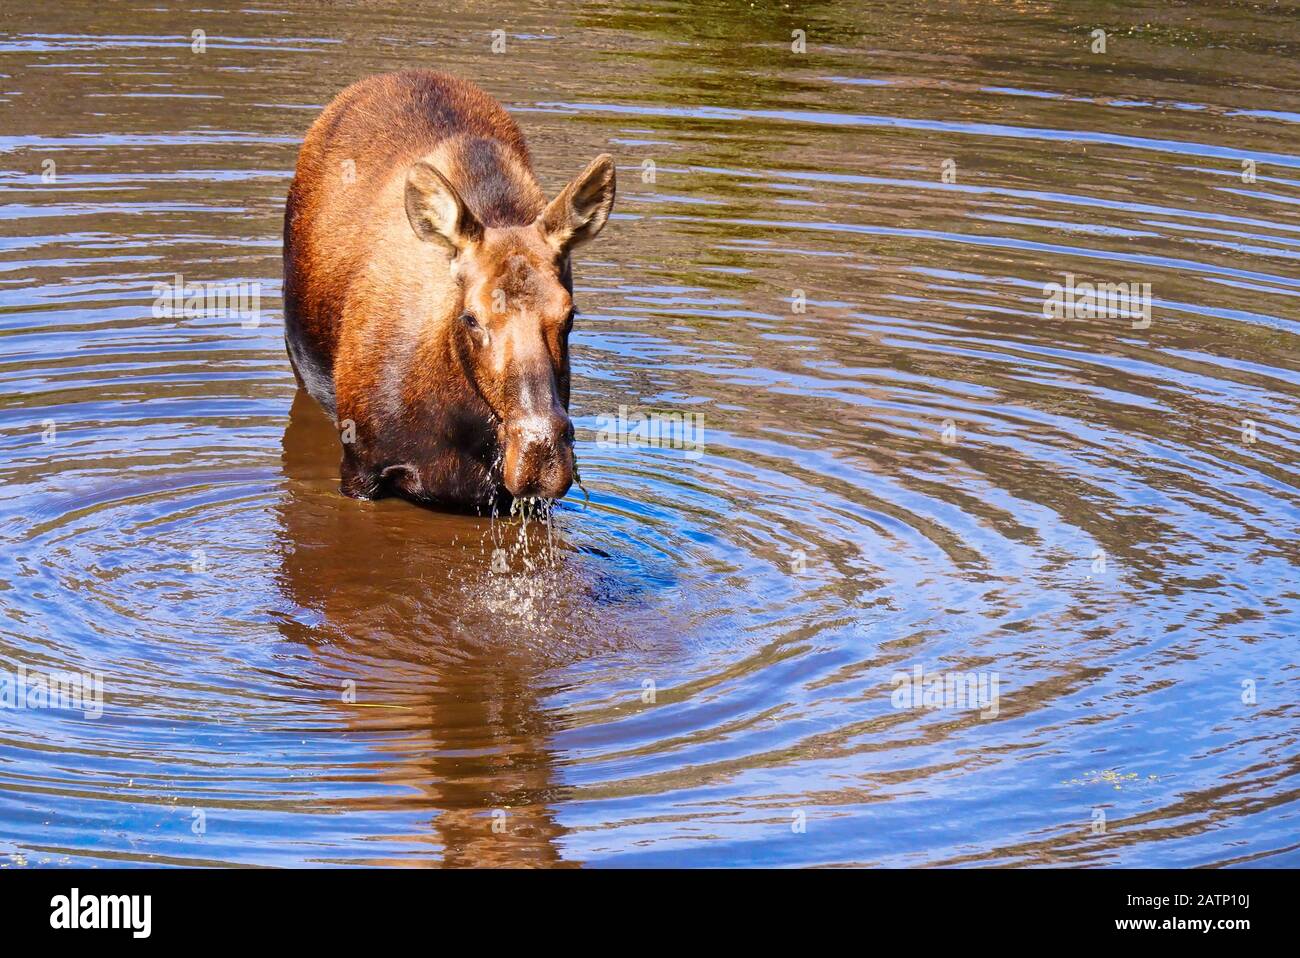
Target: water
(917, 469)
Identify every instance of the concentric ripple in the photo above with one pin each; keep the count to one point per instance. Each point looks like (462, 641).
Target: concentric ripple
(825, 282)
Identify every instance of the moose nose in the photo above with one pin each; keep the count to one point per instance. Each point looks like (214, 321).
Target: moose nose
(539, 456)
(541, 433)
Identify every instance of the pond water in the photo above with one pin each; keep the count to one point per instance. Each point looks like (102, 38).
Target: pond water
(887, 451)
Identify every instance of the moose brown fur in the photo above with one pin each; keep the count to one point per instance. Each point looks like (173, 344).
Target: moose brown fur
(428, 292)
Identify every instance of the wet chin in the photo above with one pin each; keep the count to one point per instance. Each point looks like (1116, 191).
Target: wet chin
(548, 480)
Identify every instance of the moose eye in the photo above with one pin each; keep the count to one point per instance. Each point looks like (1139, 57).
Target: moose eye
(469, 320)
(568, 321)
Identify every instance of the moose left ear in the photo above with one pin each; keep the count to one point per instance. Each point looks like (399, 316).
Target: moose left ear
(581, 209)
(436, 211)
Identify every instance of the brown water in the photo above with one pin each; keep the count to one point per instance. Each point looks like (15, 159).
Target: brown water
(919, 469)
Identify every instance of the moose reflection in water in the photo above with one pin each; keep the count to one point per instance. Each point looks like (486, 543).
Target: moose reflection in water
(409, 667)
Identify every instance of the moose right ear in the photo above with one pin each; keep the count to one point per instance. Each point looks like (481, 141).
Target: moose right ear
(436, 211)
(580, 211)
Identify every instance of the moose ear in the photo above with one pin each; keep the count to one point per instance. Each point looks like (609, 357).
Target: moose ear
(581, 209)
(436, 211)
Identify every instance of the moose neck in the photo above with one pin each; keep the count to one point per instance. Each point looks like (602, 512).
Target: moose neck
(495, 179)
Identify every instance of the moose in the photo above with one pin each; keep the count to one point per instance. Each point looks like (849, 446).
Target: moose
(428, 293)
